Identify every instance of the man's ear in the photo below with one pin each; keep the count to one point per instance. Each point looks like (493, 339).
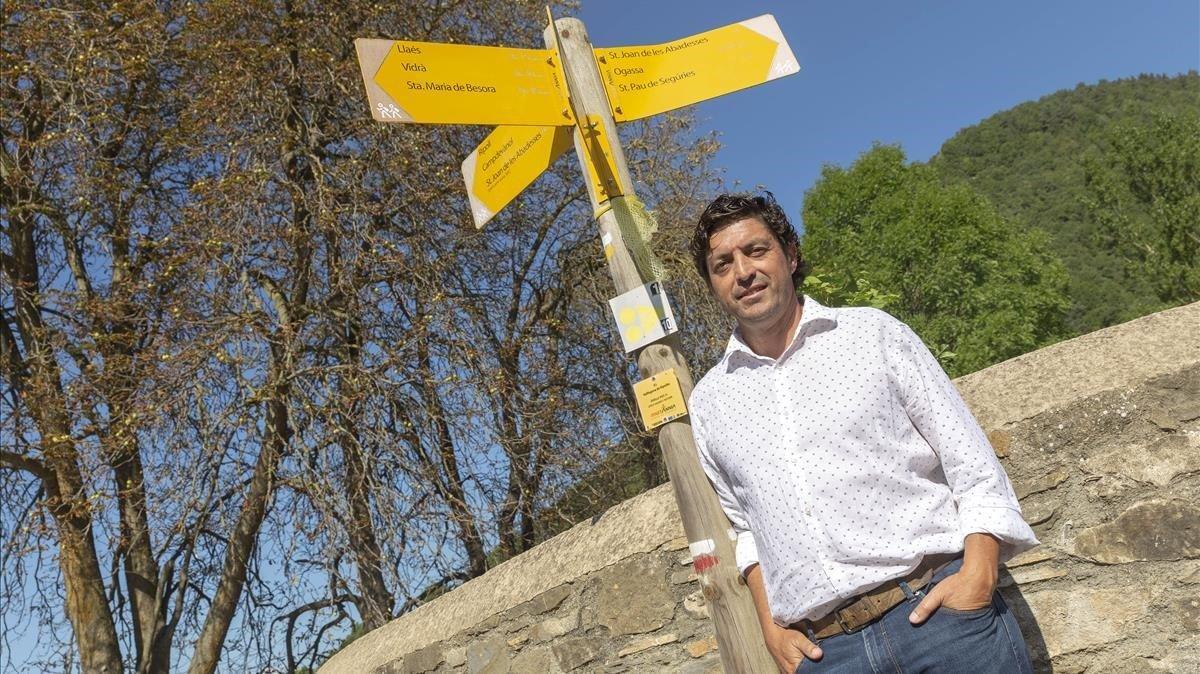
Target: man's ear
(792, 256)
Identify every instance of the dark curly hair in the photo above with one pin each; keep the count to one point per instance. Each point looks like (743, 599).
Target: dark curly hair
(730, 208)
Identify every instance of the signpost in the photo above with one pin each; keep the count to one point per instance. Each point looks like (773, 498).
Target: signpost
(541, 98)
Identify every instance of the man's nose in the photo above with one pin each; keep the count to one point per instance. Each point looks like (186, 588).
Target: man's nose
(742, 268)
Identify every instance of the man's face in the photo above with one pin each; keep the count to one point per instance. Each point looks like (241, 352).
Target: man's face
(750, 273)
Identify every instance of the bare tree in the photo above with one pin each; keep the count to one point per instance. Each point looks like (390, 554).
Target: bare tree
(258, 368)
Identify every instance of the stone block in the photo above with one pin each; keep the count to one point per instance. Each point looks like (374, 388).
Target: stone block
(633, 597)
(1158, 464)
(554, 627)
(1185, 657)
(678, 543)
(394, 667)
(1079, 618)
(1163, 420)
(485, 625)
(1146, 531)
(1001, 442)
(1109, 486)
(549, 600)
(1041, 553)
(1033, 574)
(1041, 483)
(424, 660)
(1039, 514)
(515, 625)
(708, 665)
(1186, 412)
(695, 605)
(543, 603)
(488, 656)
(536, 661)
(1189, 574)
(683, 576)
(456, 657)
(573, 653)
(701, 647)
(1135, 665)
(1188, 610)
(647, 643)
(589, 614)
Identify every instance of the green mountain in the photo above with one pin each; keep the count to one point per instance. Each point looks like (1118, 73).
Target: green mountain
(1029, 160)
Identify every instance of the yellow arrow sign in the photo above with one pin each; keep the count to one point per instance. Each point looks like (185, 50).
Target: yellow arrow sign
(434, 83)
(507, 162)
(646, 80)
(524, 92)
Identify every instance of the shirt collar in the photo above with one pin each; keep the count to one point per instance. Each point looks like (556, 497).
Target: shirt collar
(814, 315)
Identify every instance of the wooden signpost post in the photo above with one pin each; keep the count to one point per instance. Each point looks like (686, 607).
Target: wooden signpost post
(542, 100)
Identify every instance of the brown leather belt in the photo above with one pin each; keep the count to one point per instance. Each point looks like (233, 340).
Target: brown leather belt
(871, 605)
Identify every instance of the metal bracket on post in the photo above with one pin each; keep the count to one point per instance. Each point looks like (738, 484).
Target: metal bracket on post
(601, 170)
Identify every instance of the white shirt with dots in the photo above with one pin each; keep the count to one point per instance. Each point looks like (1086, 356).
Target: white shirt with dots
(847, 460)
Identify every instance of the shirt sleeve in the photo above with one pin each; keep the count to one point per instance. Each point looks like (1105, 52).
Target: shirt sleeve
(745, 550)
(982, 492)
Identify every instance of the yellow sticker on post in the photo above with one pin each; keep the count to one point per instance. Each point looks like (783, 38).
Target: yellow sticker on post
(436, 83)
(507, 162)
(645, 80)
(659, 399)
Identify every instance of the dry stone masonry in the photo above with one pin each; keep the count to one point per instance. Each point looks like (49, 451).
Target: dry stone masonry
(1101, 436)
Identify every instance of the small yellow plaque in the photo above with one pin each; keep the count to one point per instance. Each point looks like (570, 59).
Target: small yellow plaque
(659, 399)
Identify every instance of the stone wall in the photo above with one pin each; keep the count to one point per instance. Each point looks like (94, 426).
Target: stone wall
(1101, 436)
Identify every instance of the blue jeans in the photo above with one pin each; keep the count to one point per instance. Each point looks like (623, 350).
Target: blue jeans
(984, 641)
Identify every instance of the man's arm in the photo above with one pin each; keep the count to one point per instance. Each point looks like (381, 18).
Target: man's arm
(989, 516)
(969, 589)
(983, 496)
(787, 646)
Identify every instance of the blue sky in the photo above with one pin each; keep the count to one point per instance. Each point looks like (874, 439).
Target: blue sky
(912, 73)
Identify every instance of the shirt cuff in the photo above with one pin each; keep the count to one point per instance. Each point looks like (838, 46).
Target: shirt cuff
(745, 552)
(1003, 522)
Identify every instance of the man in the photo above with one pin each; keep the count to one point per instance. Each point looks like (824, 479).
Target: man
(870, 511)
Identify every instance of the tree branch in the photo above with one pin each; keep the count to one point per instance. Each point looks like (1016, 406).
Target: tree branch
(28, 464)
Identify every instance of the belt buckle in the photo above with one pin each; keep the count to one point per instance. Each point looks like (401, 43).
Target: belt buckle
(841, 622)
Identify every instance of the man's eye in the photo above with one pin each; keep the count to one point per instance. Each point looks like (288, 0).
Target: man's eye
(759, 251)
(720, 267)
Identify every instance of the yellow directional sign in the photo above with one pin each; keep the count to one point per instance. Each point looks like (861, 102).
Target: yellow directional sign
(646, 80)
(435, 83)
(524, 92)
(507, 162)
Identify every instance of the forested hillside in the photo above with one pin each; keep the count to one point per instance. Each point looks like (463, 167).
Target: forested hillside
(966, 249)
(1030, 161)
